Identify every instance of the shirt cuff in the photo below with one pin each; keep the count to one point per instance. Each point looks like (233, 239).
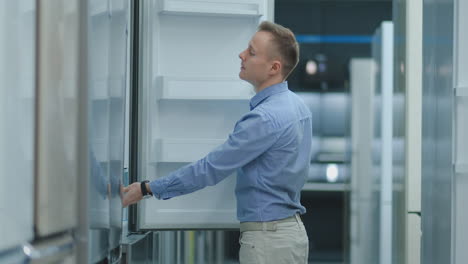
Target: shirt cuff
(158, 188)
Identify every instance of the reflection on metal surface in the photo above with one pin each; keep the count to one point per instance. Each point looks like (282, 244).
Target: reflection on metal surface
(50, 251)
(203, 246)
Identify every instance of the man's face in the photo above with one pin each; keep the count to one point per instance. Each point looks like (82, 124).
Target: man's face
(256, 60)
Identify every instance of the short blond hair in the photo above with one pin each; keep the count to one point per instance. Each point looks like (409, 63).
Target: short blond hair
(285, 44)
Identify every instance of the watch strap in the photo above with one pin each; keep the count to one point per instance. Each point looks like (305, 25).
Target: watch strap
(144, 191)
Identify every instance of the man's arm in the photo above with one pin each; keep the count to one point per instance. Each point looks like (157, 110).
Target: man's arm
(251, 137)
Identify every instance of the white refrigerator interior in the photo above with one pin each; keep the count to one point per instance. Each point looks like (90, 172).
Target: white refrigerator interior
(17, 101)
(190, 98)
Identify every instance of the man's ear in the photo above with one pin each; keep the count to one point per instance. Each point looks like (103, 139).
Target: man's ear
(276, 67)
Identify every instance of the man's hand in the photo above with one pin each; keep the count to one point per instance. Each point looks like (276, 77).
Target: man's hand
(132, 194)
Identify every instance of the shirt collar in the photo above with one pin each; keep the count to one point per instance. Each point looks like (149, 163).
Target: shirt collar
(267, 92)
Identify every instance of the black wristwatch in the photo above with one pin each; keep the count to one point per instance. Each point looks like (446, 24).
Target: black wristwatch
(144, 191)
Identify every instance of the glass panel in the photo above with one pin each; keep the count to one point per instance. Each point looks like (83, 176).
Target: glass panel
(17, 101)
(108, 25)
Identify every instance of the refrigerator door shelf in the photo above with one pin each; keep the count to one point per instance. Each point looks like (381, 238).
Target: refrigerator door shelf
(220, 8)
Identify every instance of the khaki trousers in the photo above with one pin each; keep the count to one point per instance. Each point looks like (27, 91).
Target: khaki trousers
(288, 244)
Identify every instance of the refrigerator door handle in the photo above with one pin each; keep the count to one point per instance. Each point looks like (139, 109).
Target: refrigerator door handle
(50, 250)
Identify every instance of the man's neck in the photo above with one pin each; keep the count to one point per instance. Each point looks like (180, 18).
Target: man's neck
(267, 84)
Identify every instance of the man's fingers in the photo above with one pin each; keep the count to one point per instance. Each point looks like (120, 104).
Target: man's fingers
(125, 202)
(131, 194)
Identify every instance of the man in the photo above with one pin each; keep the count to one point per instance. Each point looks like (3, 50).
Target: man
(271, 148)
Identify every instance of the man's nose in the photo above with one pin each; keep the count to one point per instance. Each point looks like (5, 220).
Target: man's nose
(241, 55)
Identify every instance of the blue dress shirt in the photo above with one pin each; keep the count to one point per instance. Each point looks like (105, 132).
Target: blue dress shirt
(270, 148)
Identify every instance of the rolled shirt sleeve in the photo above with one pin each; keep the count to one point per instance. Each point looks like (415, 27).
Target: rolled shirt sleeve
(253, 134)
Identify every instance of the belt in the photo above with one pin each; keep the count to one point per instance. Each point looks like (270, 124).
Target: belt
(267, 226)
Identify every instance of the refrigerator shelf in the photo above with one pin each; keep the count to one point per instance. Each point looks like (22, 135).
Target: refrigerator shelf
(209, 8)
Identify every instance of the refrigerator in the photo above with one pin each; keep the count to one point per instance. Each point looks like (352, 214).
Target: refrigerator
(41, 119)
(185, 101)
(444, 122)
(162, 78)
(17, 33)
(375, 151)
